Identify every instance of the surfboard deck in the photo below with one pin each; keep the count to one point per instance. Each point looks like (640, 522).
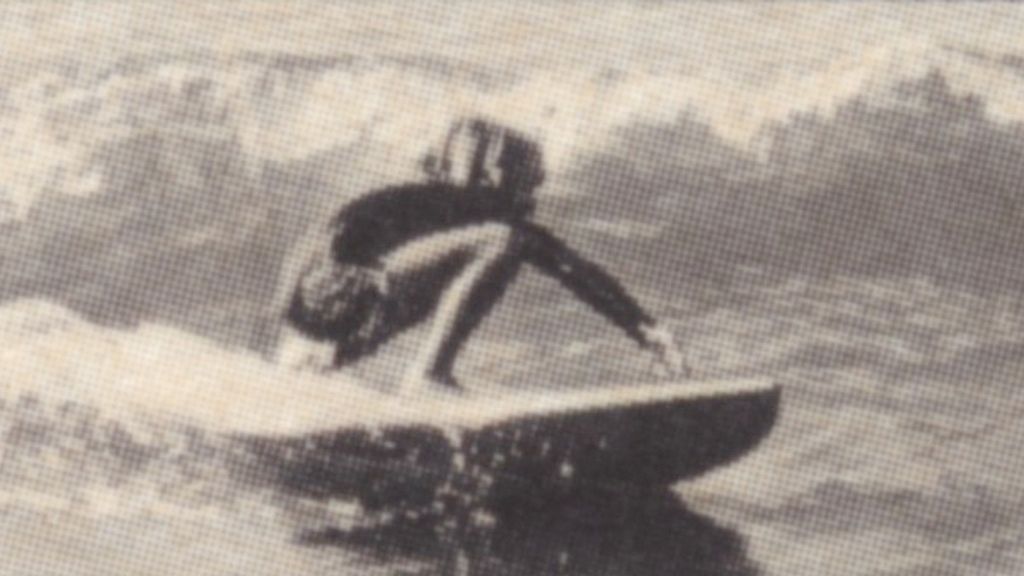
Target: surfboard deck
(534, 446)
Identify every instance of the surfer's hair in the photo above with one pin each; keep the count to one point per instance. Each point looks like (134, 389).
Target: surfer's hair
(482, 153)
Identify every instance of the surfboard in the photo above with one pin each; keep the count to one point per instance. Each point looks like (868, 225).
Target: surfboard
(517, 447)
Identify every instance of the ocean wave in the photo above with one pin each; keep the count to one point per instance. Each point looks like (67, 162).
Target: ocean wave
(169, 187)
(284, 107)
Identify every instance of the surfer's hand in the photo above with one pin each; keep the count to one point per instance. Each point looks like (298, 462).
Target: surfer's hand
(667, 354)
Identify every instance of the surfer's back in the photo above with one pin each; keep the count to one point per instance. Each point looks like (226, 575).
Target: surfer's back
(383, 219)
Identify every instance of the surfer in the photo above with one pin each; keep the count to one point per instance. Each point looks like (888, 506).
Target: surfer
(448, 248)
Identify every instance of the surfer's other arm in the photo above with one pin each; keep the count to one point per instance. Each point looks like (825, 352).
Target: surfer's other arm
(596, 287)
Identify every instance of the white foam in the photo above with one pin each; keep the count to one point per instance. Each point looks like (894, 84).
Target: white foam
(157, 373)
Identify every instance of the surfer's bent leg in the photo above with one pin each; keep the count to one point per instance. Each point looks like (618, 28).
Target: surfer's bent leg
(340, 313)
(476, 265)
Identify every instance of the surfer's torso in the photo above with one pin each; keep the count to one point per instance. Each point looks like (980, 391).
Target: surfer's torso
(372, 226)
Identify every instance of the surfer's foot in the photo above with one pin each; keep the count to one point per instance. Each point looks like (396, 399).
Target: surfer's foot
(445, 382)
(433, 382)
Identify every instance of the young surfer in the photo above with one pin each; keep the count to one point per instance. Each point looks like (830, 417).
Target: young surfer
(447, 248)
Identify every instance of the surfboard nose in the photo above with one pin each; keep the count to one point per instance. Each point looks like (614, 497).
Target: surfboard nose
(634, 447)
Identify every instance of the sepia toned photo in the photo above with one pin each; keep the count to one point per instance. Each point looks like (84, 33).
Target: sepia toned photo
(488, 288)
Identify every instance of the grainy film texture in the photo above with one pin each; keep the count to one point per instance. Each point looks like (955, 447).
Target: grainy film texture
(573, 287)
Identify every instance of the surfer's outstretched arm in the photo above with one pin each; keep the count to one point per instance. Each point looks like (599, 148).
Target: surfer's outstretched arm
(593, 285)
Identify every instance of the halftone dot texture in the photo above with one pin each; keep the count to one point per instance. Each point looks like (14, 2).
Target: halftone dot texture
(827, 196)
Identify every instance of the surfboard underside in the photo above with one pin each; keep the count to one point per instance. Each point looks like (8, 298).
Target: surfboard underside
(523, 458)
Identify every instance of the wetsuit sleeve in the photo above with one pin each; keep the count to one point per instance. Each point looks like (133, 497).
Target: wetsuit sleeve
(589, 282)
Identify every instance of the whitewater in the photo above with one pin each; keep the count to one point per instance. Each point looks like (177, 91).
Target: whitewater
(886, 459)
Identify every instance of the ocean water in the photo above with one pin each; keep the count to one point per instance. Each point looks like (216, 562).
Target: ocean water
(896, 452)
(824, 195)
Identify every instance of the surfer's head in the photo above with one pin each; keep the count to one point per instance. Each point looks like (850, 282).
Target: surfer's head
(481, 154)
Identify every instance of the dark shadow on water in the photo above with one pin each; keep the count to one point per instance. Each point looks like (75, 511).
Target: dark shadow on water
(638, 536)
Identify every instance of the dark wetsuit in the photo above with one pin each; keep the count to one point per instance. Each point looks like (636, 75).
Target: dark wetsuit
(347, 306)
